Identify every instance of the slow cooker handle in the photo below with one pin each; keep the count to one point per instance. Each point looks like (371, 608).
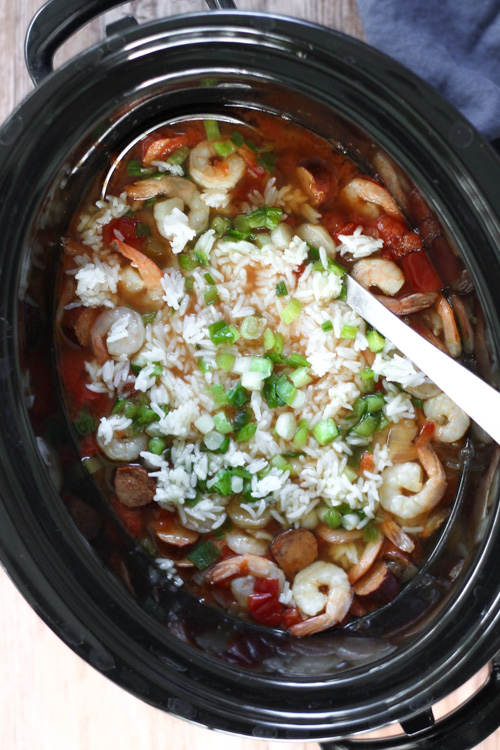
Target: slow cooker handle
(463, 729)
(57, 20)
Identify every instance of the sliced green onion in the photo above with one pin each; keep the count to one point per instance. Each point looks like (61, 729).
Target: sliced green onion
(367, 376)
(286, 390)
(300, 377)
(297, 360)
(374, 403)
(246, 433)
(204, 555)
(350, 521)
(211, 296)
(299, 400)
(237, 138)
(327, 326)
(266, 217)
(149, 318)
(241, 418)
(312, 253)
(269, 392)
(142, 230)
(212, 130)
(333, 267)
(354, 459)
(278, 462)
(253, 381)
(376, 341)
(332, 518)
(157, 369)
(92, 464)
(223, 447)
(146, 415)
(201, 257)
(118, 407)
(157, 445)
(370, 532)
(286, 425)
(252, 145)
(135, 169)
(241, 223)
(85, 424)
(301, 435)
(238, 396)
(209, 279)
(343, 292)
(186, 262)
(251, 328)
(179, 157)
(291, 312)
(350, 473)
(224, 148)
(221, 333)
(219, 395)
(202, 366)
(220, 225)
(269, 340)
(222, 423)
(348, 332)
(281, 290)
(417, 402)
(278, 347)
(325, 431)
(366, 426)
(212, 440)
(130, 409)
(382, 421)
(267, 161)
(188, 283)
(225, 361)
(205, 423)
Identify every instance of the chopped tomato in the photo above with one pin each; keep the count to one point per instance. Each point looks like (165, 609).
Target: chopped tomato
(291, 617)
(398, 240)
(127, 227)
(264, 604)
(71, 366)
(420, 272)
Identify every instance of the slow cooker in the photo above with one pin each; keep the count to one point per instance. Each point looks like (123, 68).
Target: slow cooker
(59, 542)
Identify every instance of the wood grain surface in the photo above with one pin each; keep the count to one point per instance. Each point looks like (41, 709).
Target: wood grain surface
(49, 698)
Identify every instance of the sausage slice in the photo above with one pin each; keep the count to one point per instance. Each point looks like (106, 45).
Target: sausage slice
(133, 486)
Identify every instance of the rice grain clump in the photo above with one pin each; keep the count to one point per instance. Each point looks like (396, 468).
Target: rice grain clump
(255, 420)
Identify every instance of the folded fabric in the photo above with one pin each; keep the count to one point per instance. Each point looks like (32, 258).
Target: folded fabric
(453, 44)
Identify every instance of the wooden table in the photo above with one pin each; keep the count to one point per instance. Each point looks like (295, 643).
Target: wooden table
(49, 698)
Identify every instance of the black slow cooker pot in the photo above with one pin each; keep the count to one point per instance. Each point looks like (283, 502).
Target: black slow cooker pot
(60, 544)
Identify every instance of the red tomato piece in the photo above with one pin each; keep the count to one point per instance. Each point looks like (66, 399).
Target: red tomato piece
(447, 264)
(291, 617)
(88, 446)
(264, 604)
(366, 463)
(396, 236)
(420, 272)
(127, 227)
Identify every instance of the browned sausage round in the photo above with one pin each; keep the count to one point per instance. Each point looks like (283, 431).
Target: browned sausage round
(133, 486)
(294, 550)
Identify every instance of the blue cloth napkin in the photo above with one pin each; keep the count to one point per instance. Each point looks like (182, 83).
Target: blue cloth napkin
(453, 44)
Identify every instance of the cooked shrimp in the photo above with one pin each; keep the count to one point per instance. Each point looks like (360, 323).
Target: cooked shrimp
(393, 177)
(427, 334)
(242, 518)
(122, 447)
(245, 544)
(365, 191)
(223, 173)
(411, 304)
(368, 557)
(244, 565)
(173, 187)
(384, 274)
(466, 329)
(396, 535)
(148, 270)
(408, 476)
(337, 536)
(309, 595)
(450, 330)
(450, 422)
(423, 391)
(125, 333)
(317, 236)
